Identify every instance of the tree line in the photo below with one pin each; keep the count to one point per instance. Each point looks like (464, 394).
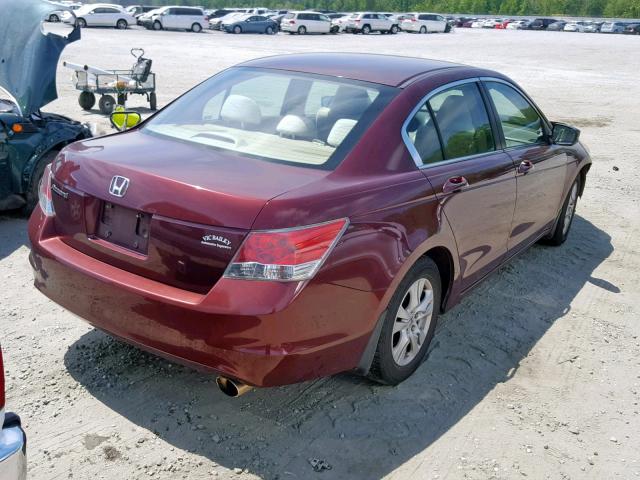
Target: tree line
(573, 8)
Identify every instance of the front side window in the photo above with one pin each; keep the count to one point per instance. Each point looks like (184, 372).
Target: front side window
(462, 121)
(307, 120)
(521, 124)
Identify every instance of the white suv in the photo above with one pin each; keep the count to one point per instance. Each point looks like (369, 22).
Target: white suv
(424, 23)
(176, 18)
(367, 22)
(305, 22)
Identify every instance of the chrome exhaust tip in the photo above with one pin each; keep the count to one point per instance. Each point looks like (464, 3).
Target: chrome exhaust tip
(232, 388)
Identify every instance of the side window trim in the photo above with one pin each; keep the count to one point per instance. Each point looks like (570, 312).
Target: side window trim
(545, 121)
(424, 100)
(494, 118)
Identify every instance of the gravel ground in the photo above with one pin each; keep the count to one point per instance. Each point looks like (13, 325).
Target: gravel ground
(536, 374)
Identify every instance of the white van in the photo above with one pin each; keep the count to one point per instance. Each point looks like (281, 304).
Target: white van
(305, 22)
(176, 18)
(424, 23)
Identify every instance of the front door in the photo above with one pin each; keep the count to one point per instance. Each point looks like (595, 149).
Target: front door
(540, 167)
(474, 181)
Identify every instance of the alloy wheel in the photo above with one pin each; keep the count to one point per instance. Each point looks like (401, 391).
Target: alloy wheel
(412, 322)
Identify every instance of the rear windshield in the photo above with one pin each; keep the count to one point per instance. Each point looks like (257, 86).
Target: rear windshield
(275, 115)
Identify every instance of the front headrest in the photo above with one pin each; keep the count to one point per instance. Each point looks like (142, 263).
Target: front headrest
(241, 109)
(295, 126)
(340, 130)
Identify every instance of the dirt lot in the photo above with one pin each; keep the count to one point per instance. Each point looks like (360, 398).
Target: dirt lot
(536, 374)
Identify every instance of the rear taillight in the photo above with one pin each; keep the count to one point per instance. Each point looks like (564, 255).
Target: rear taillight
(286, 255)
(414, 20)
(2, 398)
(292, 22)
(44, 193)
(357, 21)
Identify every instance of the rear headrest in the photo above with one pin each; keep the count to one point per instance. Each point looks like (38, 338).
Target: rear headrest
(349, 102)
(340, 130)
(295, 126)
(241, 109)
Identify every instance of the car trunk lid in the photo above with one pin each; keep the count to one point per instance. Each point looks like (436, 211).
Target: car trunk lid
(183, 213)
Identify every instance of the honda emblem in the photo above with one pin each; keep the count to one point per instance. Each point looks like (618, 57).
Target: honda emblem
(118, 186)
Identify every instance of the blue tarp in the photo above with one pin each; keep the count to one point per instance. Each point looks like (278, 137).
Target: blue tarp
(28, 56)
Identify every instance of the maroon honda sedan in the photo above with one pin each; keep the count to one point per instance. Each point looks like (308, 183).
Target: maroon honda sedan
(301, 215)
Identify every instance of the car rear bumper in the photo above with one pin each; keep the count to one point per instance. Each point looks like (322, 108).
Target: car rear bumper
(262, 333)
(13, 449)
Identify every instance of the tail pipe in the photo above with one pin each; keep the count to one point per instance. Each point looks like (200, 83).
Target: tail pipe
(231, 387)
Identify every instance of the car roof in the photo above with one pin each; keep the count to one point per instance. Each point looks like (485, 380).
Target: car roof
(388, 70)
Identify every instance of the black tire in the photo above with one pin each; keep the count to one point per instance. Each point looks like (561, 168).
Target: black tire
(560, 233)
(384, 368)
(237, 29)
(269, 31)
(157, 26)
(106, 104)
(122, 24)
(82, 23)
(87, 100)
(394, 29)
(153, 101)
(54, 18)
(34, 182)
(423, 29)
(334, 30)
(302, 30)
(196, 28)
(366, 29)
(447, 29)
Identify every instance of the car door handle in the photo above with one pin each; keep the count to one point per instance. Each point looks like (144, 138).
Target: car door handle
(525, 166)
(454, 184)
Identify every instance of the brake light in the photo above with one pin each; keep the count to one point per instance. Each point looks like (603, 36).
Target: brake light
(357, 20)
(291, 22)
(414, 20)
(286, 255)
(44, 193)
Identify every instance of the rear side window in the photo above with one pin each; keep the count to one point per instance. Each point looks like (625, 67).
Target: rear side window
(290, 15)
(422, 132)
(521, 124)
(462, 121)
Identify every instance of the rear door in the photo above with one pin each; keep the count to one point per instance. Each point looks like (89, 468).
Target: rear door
(110, 16)
(185, 18)
(541, 167)
(453, 141)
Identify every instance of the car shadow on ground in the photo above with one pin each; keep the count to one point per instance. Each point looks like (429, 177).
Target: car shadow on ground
(13, 233)
(362, 429)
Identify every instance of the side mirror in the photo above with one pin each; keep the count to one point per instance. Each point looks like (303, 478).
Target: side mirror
(563, 134)
(122, 119)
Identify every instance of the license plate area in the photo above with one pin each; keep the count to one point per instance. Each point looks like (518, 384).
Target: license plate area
(125, 227)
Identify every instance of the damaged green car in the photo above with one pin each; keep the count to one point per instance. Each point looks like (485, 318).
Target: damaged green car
(29, 138)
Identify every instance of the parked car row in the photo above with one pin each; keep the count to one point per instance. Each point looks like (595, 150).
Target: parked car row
(304, 22)
(264, 20)
(551, 24)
